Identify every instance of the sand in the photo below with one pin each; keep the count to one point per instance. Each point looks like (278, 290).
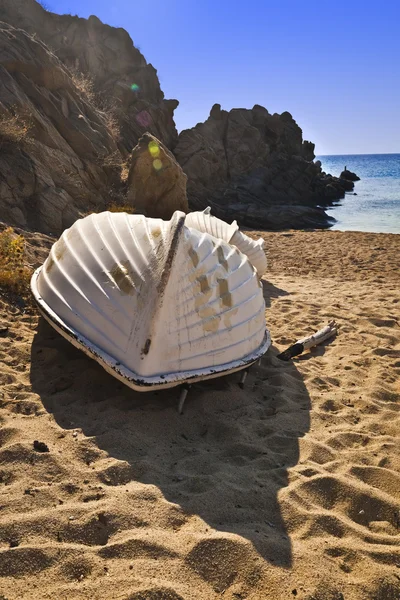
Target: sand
(288, 488)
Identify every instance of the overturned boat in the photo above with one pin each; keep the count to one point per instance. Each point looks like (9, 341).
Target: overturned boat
(156, 303)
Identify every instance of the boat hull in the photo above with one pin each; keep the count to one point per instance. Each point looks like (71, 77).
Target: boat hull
(129, 378)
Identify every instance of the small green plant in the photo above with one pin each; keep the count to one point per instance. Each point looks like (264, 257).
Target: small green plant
(14, 275)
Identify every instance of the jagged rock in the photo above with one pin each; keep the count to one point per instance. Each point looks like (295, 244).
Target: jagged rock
(308, 152)
(156, 183)
(349, 175)
(254, 166)
(328, 189)
(122, 79)
(70, 130)
(52, 142)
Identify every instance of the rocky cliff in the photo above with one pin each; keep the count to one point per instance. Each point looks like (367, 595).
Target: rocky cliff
(122, 79)
(75, 98)
(255, 167)
(53, 143)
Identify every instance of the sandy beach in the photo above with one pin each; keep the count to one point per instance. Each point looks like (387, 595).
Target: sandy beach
(288, 488)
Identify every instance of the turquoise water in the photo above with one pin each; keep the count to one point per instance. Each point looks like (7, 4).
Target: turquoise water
(377, 204)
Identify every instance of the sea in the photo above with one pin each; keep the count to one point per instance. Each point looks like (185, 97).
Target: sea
(376, 207)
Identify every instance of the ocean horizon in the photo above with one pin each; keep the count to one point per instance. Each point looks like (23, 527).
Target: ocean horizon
(376, 205)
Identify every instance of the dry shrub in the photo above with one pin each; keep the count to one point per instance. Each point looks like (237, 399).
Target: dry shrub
(114, 161)
(85, 85)
(117, 204)
(111, 119)
(115, 207)
(14, 275)
(117, 166)
(13, 128)
(107, 110)
(124, 172)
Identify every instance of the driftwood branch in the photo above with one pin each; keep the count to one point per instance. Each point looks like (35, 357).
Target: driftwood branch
(310, 341)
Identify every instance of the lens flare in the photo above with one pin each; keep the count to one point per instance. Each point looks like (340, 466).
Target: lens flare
(135, 87)
(143, 118)
(154, 149)
(157, 164)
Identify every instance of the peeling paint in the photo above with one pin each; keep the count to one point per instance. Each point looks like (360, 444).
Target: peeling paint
(146, 346)
(72, 234)
(221, 257)
(206, 312)
(204, 284)
(202, 298)
(227, 321)
(49, 264)
(224, 293)
(126, 280)
(211, 326)
(194, 256)
(58, 249)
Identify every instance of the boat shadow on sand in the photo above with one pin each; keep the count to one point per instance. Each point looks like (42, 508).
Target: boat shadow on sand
(225, 459)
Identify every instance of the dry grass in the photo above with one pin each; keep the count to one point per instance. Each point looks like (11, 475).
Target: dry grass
(115, 207)
(110, 117)
(114, 161)
(14, 275)
(13, 128)
(124, 172)
(85, 85)
(108, 111)
(118, 189)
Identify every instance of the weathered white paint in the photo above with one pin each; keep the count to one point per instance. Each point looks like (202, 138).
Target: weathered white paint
(253, 249)
(157, 303)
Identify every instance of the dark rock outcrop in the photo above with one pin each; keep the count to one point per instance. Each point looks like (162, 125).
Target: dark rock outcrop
(122, 79)
(156, 183)
(349, 175)
(255, 167)
(53, 143)
(75, 98)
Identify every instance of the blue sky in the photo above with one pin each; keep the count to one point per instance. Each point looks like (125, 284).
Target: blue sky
(335, 66)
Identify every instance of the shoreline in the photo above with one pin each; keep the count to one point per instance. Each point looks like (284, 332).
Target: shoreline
(262, 232)
(375, 202)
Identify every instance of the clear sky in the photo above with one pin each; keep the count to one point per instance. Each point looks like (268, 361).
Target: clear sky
(335, 66)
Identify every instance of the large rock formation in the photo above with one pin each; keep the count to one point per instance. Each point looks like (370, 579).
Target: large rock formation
(121, 77)
(349, 175)
(75, 98)
(53, 143)
(156, 183)
(255, 167)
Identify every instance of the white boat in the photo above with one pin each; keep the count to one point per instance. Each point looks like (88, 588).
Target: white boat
(156, 303)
